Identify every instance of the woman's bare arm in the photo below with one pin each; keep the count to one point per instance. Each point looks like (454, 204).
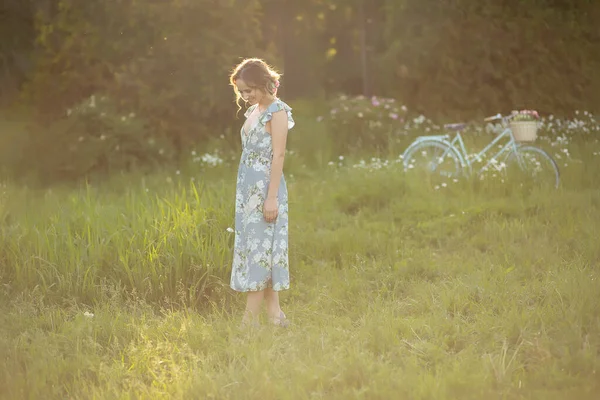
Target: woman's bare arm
(279, 131)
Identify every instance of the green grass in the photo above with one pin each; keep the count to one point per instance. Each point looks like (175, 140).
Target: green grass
(477, 290)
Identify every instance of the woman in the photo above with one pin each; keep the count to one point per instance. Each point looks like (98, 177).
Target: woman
(260, 255)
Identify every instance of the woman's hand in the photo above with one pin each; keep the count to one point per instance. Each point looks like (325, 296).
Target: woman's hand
(270, 209)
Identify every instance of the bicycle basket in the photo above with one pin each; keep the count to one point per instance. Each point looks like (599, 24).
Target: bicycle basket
(524, 131)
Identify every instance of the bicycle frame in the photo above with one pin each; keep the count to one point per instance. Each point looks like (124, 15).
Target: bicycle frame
(511, 145)
(458, 144)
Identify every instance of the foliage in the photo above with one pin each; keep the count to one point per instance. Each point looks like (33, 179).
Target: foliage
(473, 58)
(17, 36)
(166, 61)
(95, 139)
(361, 123)
(458, 57)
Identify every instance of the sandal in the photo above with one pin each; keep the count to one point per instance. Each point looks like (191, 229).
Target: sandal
(282, 321)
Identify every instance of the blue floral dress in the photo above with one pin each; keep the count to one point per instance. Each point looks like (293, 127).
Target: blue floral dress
(260, 253)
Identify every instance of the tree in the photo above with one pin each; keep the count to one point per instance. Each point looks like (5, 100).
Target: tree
(167, 60)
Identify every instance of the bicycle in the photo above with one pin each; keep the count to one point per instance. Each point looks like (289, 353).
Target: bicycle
(448, 157)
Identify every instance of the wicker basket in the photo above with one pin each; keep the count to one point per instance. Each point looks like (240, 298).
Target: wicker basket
(524, 131)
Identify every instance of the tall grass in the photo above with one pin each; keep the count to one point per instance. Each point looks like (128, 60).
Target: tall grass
(151, 237)
(478, 289)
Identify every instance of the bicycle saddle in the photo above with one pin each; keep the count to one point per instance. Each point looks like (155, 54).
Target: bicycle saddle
(455, 127)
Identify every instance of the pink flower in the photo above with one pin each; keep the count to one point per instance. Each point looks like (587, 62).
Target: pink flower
(393, 116)
(533, 113)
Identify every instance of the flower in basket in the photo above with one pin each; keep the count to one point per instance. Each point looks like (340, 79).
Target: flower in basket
(525, 115)
(523, 125)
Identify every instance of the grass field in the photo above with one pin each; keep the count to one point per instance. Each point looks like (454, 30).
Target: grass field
(478, 289)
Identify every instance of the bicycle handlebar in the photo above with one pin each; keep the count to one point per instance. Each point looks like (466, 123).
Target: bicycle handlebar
(503, 118)
(493, 117)
(499, 116)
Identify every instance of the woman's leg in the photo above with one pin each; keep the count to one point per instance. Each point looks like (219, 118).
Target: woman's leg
(253, 303)
(273, 308)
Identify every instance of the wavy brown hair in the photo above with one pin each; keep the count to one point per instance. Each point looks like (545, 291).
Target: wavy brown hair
(257, 74)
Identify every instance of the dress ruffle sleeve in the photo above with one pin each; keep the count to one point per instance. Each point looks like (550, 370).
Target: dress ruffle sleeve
(278, 105)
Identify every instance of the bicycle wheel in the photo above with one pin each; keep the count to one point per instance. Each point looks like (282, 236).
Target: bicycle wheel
(433, 158)
(533, 165)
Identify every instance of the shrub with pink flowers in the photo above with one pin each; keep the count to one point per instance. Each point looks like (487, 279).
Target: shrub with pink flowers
(361, 122)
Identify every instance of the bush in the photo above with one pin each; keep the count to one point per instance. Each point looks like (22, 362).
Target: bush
(363, 123)
(95, 138)
(474, 58)
(167, 62)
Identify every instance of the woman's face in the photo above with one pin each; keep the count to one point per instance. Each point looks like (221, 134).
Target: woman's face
(250, 95)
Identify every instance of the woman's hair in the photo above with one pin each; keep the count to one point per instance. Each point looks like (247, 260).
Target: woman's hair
(257, 74)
